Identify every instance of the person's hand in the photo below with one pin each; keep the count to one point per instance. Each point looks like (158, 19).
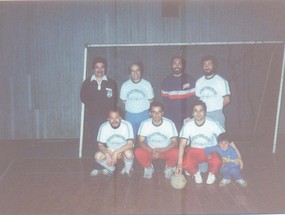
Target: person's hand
(179, 169)
(155, 152)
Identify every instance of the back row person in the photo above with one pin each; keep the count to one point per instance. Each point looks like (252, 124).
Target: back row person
(137, 94)
(99, 93)
(213, 90)
(178, 92)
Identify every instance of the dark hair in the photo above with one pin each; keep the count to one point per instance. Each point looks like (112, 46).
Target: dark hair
(182, 60)
(139, 64)
(157, 104)
(99, 60)
(199, 102)
(224, 137)
(211, 58)
(117, 110)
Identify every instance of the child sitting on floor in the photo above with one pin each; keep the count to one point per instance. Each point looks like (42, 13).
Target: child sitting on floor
(232, 164)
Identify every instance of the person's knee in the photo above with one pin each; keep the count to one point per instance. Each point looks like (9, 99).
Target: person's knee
(129, 154)
(99, 156)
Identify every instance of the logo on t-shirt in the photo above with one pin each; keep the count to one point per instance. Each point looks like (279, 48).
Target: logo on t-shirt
(185, 86)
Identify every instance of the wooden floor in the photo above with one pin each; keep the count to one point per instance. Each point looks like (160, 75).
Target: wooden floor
(47, 177)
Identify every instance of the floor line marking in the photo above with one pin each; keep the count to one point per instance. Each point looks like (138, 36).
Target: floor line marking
(6, 170)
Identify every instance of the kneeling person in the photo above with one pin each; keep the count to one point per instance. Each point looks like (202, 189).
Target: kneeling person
(157, 139)
(115, 140)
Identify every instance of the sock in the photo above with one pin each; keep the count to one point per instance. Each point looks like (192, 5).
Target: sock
(128, 164)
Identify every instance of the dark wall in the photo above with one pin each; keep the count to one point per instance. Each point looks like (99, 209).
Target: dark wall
(42, 51)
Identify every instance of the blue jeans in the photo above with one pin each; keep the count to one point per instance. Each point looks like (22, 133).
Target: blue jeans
(229, 172)
(136, 118)
(218, 116)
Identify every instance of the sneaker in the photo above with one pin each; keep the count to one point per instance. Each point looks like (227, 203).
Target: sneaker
(211, 178)
(95, 172)
(198, 178)
(168, 172)
(241, 182)
(123, 172)
(148, 172)
(224, 182)
(107, 172)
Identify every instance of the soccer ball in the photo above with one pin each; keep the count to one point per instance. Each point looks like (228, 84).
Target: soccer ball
(178, 181)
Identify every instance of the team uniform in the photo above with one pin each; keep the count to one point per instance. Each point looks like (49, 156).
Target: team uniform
(115, 138)
(211, 91)
(99, 99)
(137, 96)
(200, 137)
(178, 94)
(157, 137)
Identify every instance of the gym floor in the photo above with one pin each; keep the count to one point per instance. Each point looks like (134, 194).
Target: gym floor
(48, 178)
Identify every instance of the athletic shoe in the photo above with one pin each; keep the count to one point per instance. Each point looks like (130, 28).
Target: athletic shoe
(241, 182)
(107, 172)
(198, 178)
(211, 178)
(168, 172)
(224, 182)
(95, 172)
(148, 172)
(123, 172)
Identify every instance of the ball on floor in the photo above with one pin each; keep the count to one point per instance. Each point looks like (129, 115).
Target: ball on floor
(178, 181)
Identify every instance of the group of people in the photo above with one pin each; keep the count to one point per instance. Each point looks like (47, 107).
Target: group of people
(176, 130)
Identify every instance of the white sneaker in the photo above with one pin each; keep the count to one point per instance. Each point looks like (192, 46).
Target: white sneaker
(211, 178)
(107, 172)
(168, 172)
(198, 178)
(148, 172)
(123, 172)
(241, 182)
(224, 182)
(95, 172)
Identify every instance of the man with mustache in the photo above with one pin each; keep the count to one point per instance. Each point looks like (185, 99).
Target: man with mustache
(115, 140)
(99, 93)
(213, 90)
(178, 92)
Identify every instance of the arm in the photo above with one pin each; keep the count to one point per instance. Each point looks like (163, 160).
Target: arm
(173, 144)
(124, 148)
(142, 144)
(240, 162)
(227, 100)
(182, 145)
(102, 148)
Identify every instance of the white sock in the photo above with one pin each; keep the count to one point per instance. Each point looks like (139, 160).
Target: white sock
(128, 164)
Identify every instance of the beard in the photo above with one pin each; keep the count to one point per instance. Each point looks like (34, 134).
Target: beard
(117, 125)
(177, 71)
(209, 72)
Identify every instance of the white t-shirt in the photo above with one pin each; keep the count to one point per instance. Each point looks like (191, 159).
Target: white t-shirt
(211, 91)
(158, 136)
(201, 136)
(136, 95)
(115, 138)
